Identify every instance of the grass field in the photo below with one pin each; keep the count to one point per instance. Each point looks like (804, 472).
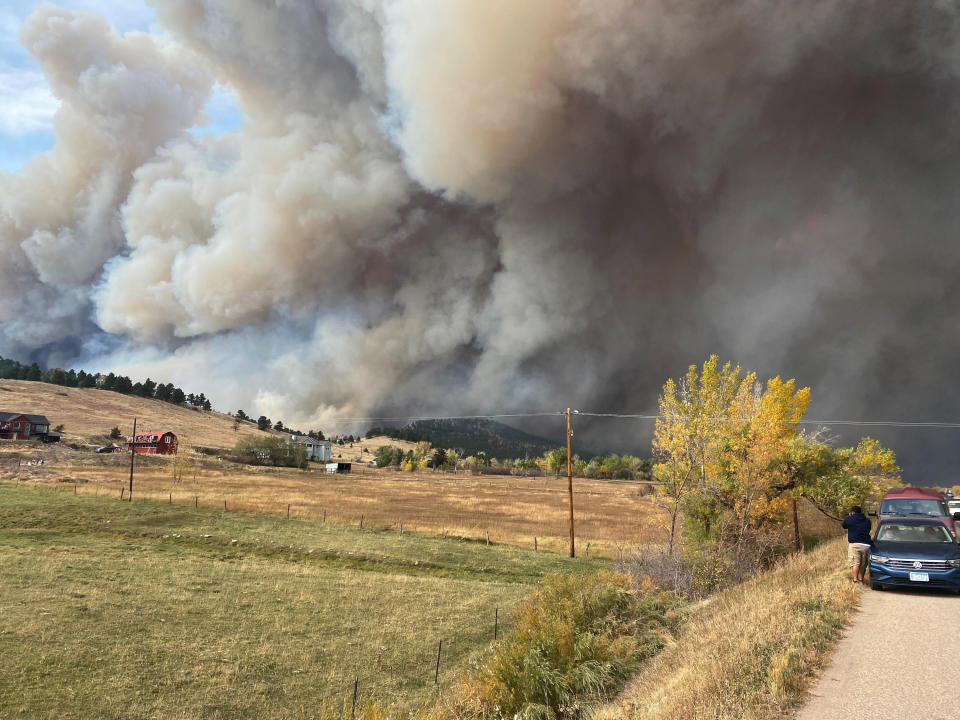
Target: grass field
(513, 510)
(143, 610)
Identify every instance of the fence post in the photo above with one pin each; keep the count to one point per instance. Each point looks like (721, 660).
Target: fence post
(121, 493)
(224, 505)
(588, 551)
(356, 683)
(496, 622)
(436, 677)
(361, 522)
(401, 529)
(170, 499)
(535, 543)
(74, 488)
(488, 537)
(196, 501)
(288, 511)
(324, 514)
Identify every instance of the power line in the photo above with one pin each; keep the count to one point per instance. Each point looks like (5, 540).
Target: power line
(637, 416)
(413, 418)
(867, 423)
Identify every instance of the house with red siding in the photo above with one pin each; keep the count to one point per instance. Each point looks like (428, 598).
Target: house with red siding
(154, 442)
(23, 426)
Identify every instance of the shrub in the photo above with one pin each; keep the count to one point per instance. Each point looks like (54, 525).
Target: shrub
(273, 451)
(115, 433)
(577, 639)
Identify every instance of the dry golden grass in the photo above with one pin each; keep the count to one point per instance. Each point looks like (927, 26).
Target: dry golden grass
(88, 414)
(513, 510)
(750, 652)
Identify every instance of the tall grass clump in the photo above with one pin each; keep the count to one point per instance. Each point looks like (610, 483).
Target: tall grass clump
(574, 642)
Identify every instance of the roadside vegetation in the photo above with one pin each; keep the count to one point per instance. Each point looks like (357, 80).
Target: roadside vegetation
(573, 644)
(750, 652)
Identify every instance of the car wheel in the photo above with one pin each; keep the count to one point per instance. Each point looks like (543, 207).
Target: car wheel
(876, 586)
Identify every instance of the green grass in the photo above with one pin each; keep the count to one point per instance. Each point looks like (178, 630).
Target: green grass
(113, 610)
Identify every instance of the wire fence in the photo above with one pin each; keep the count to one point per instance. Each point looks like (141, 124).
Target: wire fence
(483, 528)
(394, 678)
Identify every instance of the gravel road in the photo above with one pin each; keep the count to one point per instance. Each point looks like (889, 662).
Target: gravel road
(896, 661)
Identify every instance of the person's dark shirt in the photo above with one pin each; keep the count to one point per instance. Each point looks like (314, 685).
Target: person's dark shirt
(858, 528)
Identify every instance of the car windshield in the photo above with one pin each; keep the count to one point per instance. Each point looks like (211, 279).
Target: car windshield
(930, 508)
(902, 532)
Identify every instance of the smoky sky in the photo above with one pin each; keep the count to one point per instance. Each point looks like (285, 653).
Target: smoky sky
(458, 206)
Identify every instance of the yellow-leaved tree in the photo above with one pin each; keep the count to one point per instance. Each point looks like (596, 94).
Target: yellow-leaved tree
(762, 423)
(688, 434)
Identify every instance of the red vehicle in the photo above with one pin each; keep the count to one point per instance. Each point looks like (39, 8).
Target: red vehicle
(913, 502)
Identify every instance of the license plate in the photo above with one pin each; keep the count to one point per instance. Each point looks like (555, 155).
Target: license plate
(919, 577)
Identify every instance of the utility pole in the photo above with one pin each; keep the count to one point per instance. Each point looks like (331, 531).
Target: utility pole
(133, 448)
(573, 552)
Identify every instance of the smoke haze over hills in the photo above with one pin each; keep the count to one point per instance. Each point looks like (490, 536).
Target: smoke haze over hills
(464, 206)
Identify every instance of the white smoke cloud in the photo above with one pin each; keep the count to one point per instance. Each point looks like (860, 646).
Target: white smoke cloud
(466, 205)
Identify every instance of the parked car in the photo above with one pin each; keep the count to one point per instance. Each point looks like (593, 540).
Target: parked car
(917, 502)
(953, 505)
(107, 449)
(914, 552)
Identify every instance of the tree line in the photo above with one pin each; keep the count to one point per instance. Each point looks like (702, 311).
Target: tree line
(167, 392)
(423, 456)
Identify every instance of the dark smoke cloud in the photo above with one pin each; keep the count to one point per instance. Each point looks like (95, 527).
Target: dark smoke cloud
(489, 206)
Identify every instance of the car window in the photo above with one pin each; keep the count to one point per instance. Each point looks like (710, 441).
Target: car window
(929, 508)
(896, 532)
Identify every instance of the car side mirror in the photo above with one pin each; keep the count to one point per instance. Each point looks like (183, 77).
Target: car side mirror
(873, 513)
(956, 516)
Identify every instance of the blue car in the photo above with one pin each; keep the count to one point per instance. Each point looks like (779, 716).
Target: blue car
(918, 553)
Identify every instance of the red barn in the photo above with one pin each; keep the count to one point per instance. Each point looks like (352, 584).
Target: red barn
(154, 442)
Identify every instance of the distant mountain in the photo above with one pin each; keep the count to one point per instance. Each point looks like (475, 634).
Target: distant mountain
(473, 436)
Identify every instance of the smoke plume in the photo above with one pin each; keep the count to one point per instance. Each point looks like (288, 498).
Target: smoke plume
(480, 206)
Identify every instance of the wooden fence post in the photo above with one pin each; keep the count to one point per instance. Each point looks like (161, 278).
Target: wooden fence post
(356, 683)
(436, 678)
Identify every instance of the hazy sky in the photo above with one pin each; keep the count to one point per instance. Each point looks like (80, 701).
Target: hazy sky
(28, 106)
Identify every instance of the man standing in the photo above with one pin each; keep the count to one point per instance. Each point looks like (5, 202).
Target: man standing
(857, 526)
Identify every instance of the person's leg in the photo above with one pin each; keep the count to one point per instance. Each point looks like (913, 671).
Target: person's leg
(863, 556)
(852, 559)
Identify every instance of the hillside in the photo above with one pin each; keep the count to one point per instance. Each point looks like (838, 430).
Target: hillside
(479, 435)
(88, 414)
